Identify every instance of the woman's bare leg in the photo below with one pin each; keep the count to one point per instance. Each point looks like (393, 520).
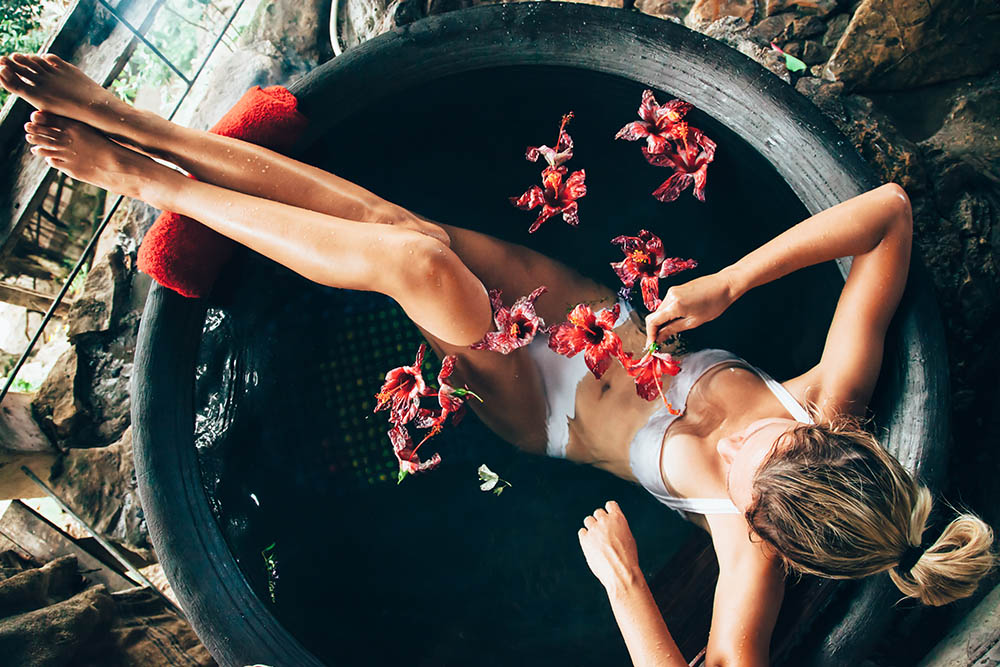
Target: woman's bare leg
(429, 281)
(57, 87)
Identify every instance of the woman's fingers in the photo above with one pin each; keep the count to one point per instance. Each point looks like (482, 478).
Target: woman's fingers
(675, 327)
(601, 515)
(665, 320)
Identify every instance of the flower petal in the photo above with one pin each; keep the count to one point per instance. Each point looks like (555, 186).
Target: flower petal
(634, 131)
(496, 341)
(648, 106)
(676, 265)
(447, 368)
(660, 159)
(700, 177)
(650, 292)
(571, 214)
(672, 111)
(543, 215)
(607, 318)
(627, 271)
(402, 447)
(568, 338)
(533, 197)
(671, 188)
(575, 186)
(656, 143)
(598, 357)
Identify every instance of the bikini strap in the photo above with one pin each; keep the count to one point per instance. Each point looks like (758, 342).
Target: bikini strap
(782, 394)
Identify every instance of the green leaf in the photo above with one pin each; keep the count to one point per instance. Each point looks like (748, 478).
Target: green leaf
(402, 476)
(794, 64)
(499, 490)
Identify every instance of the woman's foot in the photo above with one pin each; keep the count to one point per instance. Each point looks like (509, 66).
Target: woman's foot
(86, 155)
(53, 85)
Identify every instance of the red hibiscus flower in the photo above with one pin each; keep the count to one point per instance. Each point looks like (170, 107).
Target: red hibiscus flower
(402, 390)
(515, 327)
(406, 453)
(645, 261)
(648, 372)
(688, 156)
(558, 196)
(590, 333)
(450, 398)
(558, 155)
(658, 125)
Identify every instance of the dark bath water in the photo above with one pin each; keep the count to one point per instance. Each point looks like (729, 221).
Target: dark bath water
(434, 571)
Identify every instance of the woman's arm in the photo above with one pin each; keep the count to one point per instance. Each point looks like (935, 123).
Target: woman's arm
(875, 228)
(610, 551)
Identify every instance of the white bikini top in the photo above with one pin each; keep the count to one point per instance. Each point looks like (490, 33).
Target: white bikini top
(646, 447)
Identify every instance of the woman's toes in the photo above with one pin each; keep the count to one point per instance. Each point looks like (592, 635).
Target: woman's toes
(23, 64)
(44, 130)
(48, 119)
(44, 136)
(40, 64)
(53, 61)
(10, 81)
(47, 151)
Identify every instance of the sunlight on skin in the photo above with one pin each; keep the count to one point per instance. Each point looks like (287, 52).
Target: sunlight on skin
(745, 450)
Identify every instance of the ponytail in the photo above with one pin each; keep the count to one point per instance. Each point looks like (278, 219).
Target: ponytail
(951, 566)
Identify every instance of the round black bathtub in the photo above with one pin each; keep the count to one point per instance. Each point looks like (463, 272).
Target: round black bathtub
(240, 430)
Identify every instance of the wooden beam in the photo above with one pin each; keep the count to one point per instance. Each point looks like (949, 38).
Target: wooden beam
(32, 300)
(29, 532)
(86, 26)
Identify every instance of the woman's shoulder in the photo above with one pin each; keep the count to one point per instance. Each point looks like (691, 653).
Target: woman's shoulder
(819, 398)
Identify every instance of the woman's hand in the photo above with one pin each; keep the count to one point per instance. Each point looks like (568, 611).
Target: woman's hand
(609, 547)
(690, 305)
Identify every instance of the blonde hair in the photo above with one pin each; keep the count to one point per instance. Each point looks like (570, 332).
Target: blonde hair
(834, 503)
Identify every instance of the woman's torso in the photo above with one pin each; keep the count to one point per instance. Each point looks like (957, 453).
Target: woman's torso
(724, 399)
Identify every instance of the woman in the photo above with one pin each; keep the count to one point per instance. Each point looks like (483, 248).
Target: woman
(741, 456)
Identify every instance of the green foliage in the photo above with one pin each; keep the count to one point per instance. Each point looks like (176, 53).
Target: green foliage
(182, 26)
(271, 565)
(23, 386)
(19, 29)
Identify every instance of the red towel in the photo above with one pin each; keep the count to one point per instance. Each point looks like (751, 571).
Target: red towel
(185, 255)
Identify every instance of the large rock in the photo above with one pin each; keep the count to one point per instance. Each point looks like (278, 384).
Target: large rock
(963, 157)
(897, 44)
(707, 11)
(737, 33)
(99, 485)
(818, 7)
(970, 131)
(298, 29)
(672, 10)
(105, 293)
(56, 406)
